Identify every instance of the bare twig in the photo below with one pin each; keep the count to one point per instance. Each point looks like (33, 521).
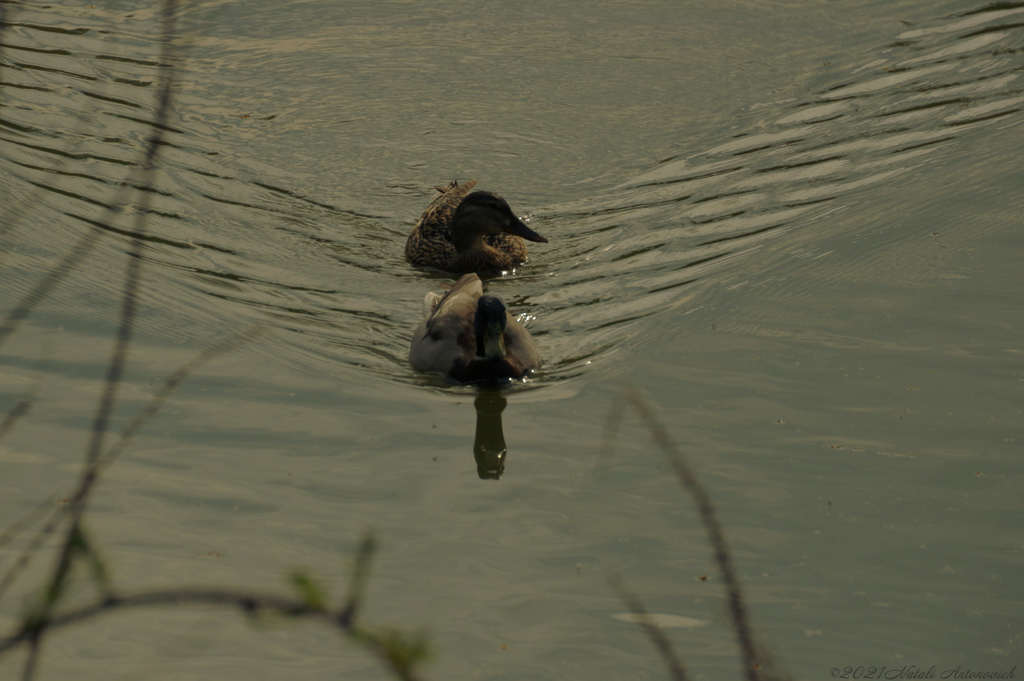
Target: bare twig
(360, 576)
(74, 542)
(612, 424)
(28, 398)
(397, 652)
(33, 658)
(78, 252)
(20, 408)
(28, 519)
(134, 271)
(45, 286)
(654, 633)
(250, 603)
(756, 665)
(54, 518)
(171, 384)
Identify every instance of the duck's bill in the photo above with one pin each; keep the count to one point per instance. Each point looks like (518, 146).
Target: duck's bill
(494, 342)
(518, 228)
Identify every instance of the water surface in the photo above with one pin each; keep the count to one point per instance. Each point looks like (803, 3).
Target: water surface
(795, 228)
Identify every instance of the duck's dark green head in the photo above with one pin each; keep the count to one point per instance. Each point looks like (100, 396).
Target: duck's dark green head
(486, 213)
(489, 324)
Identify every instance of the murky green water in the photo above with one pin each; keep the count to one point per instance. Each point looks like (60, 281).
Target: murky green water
(795, 227)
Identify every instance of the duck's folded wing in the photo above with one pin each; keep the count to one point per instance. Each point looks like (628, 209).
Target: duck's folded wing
(430, 302)
(447, 334)
(461, 297)
(440, 209)
(440, 342)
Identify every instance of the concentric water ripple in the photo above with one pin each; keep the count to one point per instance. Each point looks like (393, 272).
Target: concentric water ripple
(231, 241)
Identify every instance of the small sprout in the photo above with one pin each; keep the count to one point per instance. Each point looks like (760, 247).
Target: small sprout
(403, 650)
(311, 593)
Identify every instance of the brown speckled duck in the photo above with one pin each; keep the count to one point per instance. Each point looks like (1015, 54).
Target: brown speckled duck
(464, 232)
(470, 338)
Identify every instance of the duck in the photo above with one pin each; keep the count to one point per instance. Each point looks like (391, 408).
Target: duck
(463, 231)
(470, 337)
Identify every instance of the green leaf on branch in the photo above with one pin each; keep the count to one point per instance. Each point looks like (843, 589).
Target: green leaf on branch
(310, 591)
(403, 650)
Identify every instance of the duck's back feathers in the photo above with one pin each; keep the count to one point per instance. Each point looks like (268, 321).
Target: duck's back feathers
(431, 239)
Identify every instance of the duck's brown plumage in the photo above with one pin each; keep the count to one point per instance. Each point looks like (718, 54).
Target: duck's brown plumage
(449, 340)
(434, 242)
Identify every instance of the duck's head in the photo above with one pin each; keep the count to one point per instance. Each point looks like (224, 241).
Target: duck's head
(483, 213)
(489, 323)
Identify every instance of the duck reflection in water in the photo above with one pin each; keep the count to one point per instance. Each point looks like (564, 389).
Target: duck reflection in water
(469, 337)
(489, 445)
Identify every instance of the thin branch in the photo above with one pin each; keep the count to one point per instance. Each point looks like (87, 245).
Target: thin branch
(360, 576)
(20, 408)
(73, 542)
(78, 252)
(28, 519)
(171, 384)
(28, 398)
(612, 424)
(755, 665)
(654, 633)
(46, 510)
(156, 402)
(19, 204)
(32, 661)
(134, 271)
(45, 286)
(23, 561)
(251, 604)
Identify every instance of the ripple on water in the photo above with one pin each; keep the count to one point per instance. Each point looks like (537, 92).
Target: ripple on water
(623, 266)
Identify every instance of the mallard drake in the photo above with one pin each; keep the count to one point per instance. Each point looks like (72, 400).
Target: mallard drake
(470, 338)
(463, 232)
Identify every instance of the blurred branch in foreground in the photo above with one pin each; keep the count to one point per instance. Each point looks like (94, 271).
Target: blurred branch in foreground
(757, 664)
